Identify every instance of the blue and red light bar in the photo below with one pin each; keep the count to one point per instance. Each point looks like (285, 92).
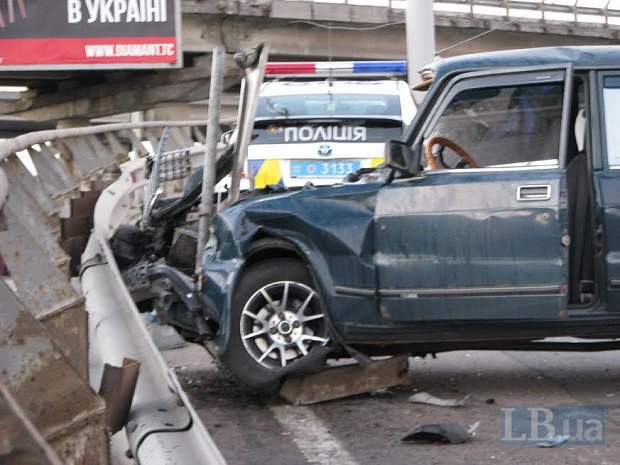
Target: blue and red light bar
(336, 69)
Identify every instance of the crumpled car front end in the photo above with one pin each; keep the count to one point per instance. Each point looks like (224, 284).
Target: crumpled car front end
(287, 242)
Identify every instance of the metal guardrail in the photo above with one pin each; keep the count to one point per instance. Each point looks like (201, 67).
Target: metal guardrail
(104, 141)
(163, 426)
(49, 219)
(72, 166)
(606, 12)
(547, 11)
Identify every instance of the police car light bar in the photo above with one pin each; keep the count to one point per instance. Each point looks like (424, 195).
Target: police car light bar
(336, 69)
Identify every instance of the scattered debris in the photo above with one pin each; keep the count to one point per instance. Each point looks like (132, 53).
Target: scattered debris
(444, 433)
(381, 392)
(426, 398)
(472, 428)
(337, 382)
(553, 441)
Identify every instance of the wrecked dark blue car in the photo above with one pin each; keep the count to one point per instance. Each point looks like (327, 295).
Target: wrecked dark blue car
(493, 224)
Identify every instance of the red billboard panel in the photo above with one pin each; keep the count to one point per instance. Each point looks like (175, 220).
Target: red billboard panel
(89, 34)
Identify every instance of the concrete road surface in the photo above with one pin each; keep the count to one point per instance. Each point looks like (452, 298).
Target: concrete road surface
(253, 428)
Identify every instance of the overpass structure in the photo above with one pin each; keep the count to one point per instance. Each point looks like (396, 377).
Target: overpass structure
(293, 29)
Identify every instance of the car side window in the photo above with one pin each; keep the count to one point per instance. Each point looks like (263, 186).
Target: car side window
(611, 99)
(517, 125)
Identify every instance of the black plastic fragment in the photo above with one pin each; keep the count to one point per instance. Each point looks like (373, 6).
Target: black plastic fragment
(445, 433)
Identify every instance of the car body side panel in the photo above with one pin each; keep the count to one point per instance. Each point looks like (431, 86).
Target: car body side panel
(609, 185)
(461, 246)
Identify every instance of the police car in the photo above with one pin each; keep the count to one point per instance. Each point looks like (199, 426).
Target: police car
(321, 129)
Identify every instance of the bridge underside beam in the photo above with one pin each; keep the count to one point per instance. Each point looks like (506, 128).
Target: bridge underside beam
(293, 30)
(371, 16)
(121, 93)
(354, 40)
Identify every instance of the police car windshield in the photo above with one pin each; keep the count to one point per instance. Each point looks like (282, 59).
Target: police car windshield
(328, 105)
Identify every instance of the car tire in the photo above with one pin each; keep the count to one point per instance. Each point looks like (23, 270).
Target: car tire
(266, 337)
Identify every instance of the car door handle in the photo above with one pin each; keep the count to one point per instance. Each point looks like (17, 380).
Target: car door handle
(534, 192)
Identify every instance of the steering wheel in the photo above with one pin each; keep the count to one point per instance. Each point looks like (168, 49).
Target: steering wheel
(460, 151)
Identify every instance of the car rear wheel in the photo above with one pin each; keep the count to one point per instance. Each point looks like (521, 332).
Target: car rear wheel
(277, 318)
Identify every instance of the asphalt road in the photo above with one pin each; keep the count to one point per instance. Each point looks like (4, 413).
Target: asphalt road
(251, 428)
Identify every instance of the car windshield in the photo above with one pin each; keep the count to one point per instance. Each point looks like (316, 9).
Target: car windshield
(328, 104)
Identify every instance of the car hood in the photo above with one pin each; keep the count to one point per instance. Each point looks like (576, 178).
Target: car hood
(337, 219)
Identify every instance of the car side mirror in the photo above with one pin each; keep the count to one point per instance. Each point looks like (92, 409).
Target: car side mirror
(400, 157)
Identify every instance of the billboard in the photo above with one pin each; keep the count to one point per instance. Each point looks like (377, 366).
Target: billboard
(89, 34)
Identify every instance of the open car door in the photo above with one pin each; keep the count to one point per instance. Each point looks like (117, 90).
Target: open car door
(490, 240)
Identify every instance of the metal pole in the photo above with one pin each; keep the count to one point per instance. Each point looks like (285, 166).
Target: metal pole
(253, 63)
(237, 166)
(153, 185)
(136, 117)
(420, 28)
(213, 132)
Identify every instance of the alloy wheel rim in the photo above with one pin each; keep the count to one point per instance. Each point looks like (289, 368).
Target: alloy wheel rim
(282, 322)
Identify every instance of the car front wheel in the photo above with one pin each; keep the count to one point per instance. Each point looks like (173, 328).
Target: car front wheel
(277, 319)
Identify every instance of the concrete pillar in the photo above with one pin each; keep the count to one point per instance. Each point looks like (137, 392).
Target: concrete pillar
(179, 137)
(420, 23)
(168, 112)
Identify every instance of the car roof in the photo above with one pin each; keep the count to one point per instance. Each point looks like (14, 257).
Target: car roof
(579, 56)
(382, 86)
